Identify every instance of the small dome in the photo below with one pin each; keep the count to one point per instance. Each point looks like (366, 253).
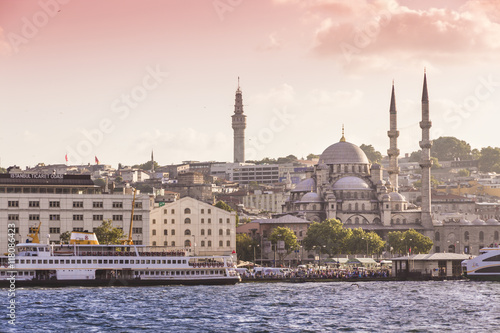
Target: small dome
(464, 221)
(386, 197)
(307, 185)
(395, 196)
(322, 166)
(381, 182)
(351, 183)
(311, 197)
(343, 153)
(491, 221)
(478, 222)
(375, 166)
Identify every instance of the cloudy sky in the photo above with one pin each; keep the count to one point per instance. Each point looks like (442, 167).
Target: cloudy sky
(116, 79)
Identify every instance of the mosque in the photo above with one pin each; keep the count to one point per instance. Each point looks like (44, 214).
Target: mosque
(346, 186)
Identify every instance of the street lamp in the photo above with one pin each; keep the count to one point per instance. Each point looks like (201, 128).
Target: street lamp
(366, 239)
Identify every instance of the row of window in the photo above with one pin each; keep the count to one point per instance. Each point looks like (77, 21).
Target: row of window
(76, 217)
(76, 204)
(496, 236)
(101, 261)
(188, 211)
(187, 220)
(187, 232)
(187, 243)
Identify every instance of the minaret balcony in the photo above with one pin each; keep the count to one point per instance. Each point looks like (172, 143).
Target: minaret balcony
(425, 144)
(425, 124)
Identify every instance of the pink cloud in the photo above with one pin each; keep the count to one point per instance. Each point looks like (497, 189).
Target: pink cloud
(5, 48)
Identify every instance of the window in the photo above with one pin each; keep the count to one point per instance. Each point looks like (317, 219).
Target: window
(34, 203)
(202, 220)
(187, 232)
(220, 220)
(173, 221)
(209, 243)
(209, 220)
(117, 204)
(228, 243)
(437, 236)
(228, 220)
(202, 232)
(13, 204)
(172, 211)
(137, 217)
(154, 243)
(203, 243)
(165, 232)
(228, 232)
(209, 211)
(221, 232)
(54, 230)
(481, 236)
(221, 243)
(209, 232)
(137, 230)
(138, 205)
(165, 221)
(78, 217)
(187, 220)
(187, 211)
(34, 217)
(154, 232)
(154, 221)
(117, 217)
(97, 217)
(173, 243)
(202, 211)
(466, 236)
(77, 204)
(13, 217)
(54, 204)
(97, 204)
(172, 232)
(165, 211)
(187, 243)
(165, 243)
(77, 229)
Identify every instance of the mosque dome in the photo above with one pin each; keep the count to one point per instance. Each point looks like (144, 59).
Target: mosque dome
(311, 197)
(351, 183)
(491, 221)
(307, 185)
(478, 222)
(395, 196)
(344, 153)
(464, 221)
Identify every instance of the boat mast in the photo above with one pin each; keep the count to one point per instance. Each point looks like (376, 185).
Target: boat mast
(129, 241)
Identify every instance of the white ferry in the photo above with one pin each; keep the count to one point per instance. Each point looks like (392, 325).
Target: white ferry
(486, 266)
(85, 263)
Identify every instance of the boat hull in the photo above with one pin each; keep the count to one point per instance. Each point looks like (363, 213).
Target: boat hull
(117, 282)
(492, 277)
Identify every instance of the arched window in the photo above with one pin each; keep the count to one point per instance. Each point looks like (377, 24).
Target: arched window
(496, 235)
(209, 243)
(154, 243)
(165, 243)
(221, 243)
(228, 243)
(203, 243)
(397, 206)
(172, 232)
(356, 220)
(187, 232)
(350, 207)
(363, 207)
(165, 232)
(187, 243)
(356, 206)
(466, 236)
(228, 232)
(437, 236)
(398, 221)
(154, 232)
(314, 207)
(220, 220)
(187, 211)
(355, 195)
(173, 243)
(209, 232)
(221, 232)
(481, 236)
(187, 220)
(202, 232)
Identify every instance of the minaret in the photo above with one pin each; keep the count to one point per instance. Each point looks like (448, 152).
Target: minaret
(393, 151)
(239, 125)
(425, 161)
(152, 163)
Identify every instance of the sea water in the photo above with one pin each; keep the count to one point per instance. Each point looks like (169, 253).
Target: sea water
(435, 306)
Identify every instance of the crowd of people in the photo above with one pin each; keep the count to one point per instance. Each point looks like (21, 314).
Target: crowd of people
(318, 274)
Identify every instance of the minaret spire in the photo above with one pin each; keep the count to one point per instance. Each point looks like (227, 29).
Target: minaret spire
(393, 151)
(342, 139)
(425, 161)
(239, 124)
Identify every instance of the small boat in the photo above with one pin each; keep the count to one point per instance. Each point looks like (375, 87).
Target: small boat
(486, 266)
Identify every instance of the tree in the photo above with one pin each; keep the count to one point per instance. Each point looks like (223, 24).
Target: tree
(329, 236)
(100, 182)
(65, 237)
(415, 156)
(311, 157)
(434, 183)
(373, 155)
(222, 205)
(402, 242)
(435, 163)
(464, 173)
(448, 148)
(145, 166)
(3, 170)
(288, 236)
(244, 248)
(107, 234)
(490, 160)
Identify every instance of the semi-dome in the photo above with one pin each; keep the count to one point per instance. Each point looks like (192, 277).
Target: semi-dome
(311, 197)
(478, 221)
(464, 221)
(491, 221)
(395, 196)
(306, 185)
(344, 153)
(351, 183)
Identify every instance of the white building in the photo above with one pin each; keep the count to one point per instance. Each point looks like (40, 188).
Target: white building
(65, 203)
(194, 224)
(269, 202)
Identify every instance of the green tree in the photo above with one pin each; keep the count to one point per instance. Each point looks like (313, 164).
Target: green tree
(288, 236)
(107, 234)
(373, 155)
(222, 205)
(311, 157)
(244, 247)
(415, 156)
(435, 163)
(65, 237)
(146, 166)
(329, 236)
(434, 183)
(401, 242)
(464, 173)
(448, 148)
(490, 159)
(3, 170)
(99, 182)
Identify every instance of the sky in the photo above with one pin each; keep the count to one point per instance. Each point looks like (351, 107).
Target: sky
(118, 79)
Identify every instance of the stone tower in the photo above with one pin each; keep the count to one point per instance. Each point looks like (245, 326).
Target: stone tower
(239, 124)
(425, 161)
(393, 151)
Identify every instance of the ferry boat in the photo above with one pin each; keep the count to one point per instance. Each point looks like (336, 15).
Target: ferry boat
(486, 266)
(84, 262)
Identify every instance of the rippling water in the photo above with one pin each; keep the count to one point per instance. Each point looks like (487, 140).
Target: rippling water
(455, 306)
